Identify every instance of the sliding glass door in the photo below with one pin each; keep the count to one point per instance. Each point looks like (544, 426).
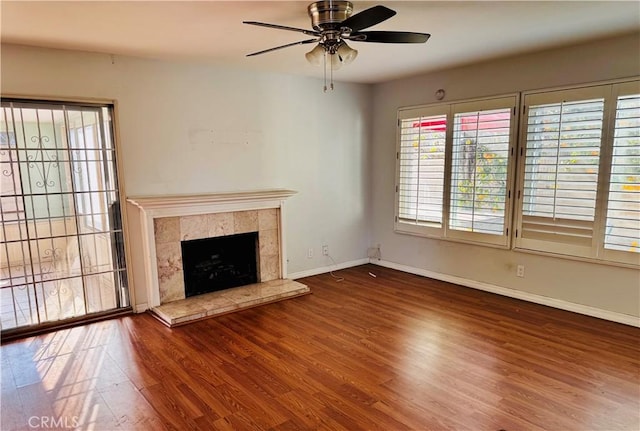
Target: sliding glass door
(62, 248)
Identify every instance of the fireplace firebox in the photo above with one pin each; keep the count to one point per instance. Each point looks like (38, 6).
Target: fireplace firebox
(219, 263)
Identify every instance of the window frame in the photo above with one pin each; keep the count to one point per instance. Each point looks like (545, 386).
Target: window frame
(621, 89)
(543, 98)
(595, 252)
(425, 228)
(450, 109)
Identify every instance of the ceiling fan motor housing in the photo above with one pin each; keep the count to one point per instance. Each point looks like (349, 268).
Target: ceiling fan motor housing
(327, 15)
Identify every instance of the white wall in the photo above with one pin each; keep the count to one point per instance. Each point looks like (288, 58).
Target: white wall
(608, 288)
(197, 129)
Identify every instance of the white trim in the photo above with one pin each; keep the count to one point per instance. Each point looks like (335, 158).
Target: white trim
(325, 269)
(283, 241)
(140, 308)
(153, 207)
(172, 205)
(625, 319)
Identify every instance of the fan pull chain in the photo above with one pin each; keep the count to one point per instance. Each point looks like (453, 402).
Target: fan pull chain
(324, 59)
(331, 73)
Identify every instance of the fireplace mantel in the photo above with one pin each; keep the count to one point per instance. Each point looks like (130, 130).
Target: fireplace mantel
(150, 208)
(175, 205)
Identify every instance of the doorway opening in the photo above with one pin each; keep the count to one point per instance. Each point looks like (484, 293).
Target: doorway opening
(61, 241)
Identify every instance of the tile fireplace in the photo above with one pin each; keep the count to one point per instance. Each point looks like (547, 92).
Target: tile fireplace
(166, 223)
(171, 232)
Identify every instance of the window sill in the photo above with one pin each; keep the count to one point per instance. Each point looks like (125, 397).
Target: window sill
(580, 258)
(448, 239)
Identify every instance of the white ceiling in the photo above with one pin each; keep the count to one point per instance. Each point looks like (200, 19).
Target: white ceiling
(212, 31)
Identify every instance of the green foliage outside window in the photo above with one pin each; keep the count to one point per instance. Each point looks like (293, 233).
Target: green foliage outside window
(482, 181)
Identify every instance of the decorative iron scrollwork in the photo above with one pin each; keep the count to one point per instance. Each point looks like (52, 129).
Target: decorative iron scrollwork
(39, 158)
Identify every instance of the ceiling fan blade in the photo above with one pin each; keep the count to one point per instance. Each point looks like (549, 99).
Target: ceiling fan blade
(283, 27)
(302, 42)
(367, 18)
(389, 37)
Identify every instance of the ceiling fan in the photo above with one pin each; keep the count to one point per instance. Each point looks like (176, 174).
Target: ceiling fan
(333, 24)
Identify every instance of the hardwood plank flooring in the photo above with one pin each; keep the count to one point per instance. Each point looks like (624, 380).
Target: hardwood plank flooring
(396, 352)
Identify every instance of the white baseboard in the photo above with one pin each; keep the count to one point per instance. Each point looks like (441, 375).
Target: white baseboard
(325, 269)
(518, 294)
(140, 308)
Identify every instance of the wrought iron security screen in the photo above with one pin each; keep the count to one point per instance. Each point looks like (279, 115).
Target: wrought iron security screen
(62, 249)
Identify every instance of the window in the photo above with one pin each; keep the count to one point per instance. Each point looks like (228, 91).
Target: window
(88, 167)
(7, 140)
(482, 137)
(454, 173)
(577, 169)
(622, 228)
(579, 184)
(12, 205)
(421, 157)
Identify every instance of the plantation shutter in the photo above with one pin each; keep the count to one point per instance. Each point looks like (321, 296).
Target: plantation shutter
(562, 134)
(622, 227)
(421, 173)
(483, 134)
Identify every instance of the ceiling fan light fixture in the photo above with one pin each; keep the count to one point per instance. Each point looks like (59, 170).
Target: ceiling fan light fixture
(316, 55)
(333, 24)
(346, 53)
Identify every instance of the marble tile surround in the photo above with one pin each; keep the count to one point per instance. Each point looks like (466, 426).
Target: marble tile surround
(170, 231)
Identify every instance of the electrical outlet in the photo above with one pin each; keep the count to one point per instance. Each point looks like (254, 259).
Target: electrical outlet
(520, 271)
(325, 250)
(310, 253)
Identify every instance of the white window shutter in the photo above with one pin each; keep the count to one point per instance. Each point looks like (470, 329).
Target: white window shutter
(421, 170)
(483, 135)
(622, 227)
(580, 175)
(562, 134)
(479, 168)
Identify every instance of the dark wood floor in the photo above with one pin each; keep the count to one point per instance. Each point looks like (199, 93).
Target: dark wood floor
(395, 352)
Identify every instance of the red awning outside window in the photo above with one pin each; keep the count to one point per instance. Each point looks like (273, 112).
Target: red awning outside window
(469, 122)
